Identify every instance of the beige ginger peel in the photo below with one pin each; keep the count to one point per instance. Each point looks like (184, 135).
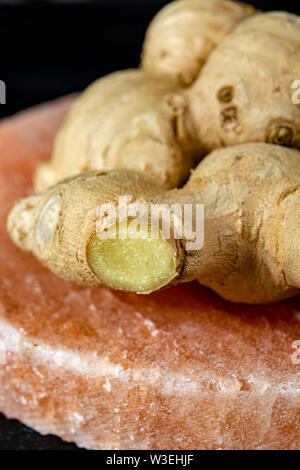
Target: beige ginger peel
(147, 122)
(130, 119)
(137, 119)
(244, 92)
(184, 33)
(250, 254)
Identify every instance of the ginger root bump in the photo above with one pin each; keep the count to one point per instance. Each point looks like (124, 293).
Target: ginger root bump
(251, 196)
(244, 92)
(184, 33)
(130, 119)
(148, 122)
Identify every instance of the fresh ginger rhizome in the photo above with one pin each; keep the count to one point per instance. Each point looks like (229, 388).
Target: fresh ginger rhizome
(143, 132)
(250, 252)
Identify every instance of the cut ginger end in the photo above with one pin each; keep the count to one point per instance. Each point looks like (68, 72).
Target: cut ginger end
(177, 369)
(132, 258)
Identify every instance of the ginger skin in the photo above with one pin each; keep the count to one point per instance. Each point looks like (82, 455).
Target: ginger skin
(148, 122)
(184, 33)
(59, 225)
(135, 119)
(123, 121)
(250, 192)
(158, 129)
(244, 92)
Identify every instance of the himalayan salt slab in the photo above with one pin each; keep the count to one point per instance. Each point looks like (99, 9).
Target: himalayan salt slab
(179, 369)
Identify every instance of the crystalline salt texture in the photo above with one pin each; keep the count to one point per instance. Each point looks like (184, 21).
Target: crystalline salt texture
(180, 369)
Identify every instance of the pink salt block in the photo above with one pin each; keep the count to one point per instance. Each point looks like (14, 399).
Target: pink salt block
(179, 369)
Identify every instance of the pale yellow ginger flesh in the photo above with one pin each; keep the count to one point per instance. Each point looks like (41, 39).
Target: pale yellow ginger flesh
(141, 262)
(251, 197)
(244, 92)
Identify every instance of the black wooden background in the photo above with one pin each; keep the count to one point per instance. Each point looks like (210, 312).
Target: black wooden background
(48, 49)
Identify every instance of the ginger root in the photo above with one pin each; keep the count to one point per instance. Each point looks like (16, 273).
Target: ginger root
(184, 33)
(251, 195)
(59, 227)
(148, 122)
(244, 92)
(150, 129)
(130, 119)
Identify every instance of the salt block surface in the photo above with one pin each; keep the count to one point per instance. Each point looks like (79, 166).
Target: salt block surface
(179, 369)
